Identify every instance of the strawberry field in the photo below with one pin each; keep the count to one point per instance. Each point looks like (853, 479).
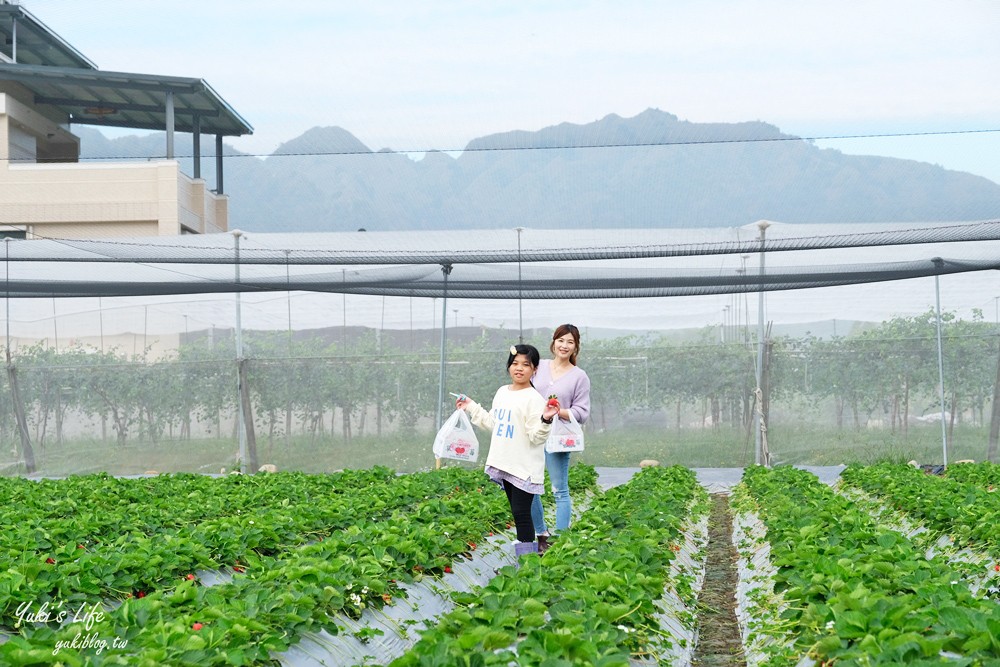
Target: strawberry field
(367, 567)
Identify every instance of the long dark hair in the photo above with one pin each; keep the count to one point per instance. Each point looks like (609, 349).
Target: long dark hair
(529, 351)
(563, 330)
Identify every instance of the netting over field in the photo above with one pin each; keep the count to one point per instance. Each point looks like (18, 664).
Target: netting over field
(126, 355)
(504, 264)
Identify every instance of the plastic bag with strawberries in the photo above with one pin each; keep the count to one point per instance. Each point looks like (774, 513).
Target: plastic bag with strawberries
(565, 436)
(456, 439)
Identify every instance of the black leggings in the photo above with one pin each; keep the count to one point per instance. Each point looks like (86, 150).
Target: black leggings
(520, 506)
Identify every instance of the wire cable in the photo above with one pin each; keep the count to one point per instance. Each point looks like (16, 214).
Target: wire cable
(500, 149)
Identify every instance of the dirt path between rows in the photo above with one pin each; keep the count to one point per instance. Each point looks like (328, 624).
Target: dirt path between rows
(719, 641)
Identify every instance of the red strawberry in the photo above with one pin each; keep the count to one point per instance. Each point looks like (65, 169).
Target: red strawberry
(197, 626)
(190, 577)
(553, 401)
(140, 594)
(239, 568)
(447, 568)
(50, 561)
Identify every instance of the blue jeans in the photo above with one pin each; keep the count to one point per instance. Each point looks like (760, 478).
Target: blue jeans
(558, 467)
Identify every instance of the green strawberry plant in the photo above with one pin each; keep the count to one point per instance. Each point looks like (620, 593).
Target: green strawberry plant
(591, 601)
(301, 549)
(858, 593)
(298, 563)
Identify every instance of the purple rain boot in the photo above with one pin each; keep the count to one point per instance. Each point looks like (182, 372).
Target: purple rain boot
(524, 548)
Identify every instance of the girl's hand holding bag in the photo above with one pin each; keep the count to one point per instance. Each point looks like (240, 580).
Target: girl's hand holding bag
(565, 436)
(456, 439)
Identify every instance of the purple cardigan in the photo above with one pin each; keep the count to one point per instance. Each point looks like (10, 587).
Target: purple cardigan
(572, 389)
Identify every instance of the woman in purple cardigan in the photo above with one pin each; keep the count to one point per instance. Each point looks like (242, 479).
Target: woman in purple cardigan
(562, 377)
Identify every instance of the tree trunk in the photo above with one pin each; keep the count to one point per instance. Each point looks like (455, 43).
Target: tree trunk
(288, 421)
(362, 418)
(154, 431)
(120, 426)
(42, 427)
(247, 407)
(59, 419)
(345, 422)
(951, 420)
(906, 406)
(747, 405)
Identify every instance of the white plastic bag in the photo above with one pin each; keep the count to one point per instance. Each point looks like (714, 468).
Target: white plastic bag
(456, 439)
(565, 436)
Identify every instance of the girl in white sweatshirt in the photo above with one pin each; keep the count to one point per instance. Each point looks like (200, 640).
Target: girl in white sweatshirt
(519, 422)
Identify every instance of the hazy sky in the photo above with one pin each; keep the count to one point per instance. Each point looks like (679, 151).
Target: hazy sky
(419, 75)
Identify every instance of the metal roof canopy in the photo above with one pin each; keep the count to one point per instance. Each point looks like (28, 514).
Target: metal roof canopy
(120, 99)
(58, 76)
(142, 101)
(27, 40)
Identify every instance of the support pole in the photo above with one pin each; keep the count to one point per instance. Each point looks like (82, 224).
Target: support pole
(196, 146)
(240, 425)
(938, 263)
(170, 124)
(219, 187)
(762, 225)
(520, 312)
(15, 392)
(446, 270)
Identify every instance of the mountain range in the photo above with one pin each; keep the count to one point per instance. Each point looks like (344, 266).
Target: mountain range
(651, 170)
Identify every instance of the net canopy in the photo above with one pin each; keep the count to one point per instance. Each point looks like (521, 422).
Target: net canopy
(319, 351)
(504, 264)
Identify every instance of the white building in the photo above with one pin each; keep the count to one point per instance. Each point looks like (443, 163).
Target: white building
(46, 88)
